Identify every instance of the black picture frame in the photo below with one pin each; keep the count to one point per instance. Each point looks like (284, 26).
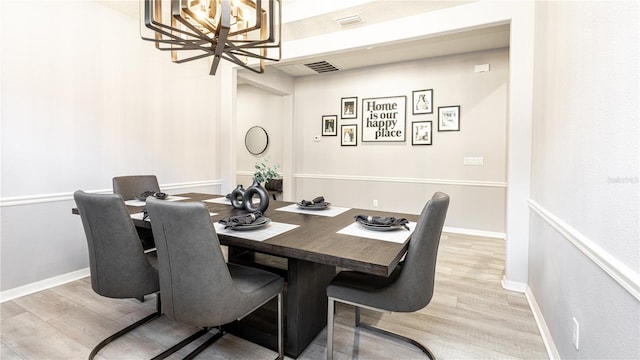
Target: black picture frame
(421, 133)
(329, 125)
(349, 107)
(449, 118)
(422, 102)
(349, 135)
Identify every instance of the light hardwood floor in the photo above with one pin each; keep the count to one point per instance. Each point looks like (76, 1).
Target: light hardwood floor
(470, 317)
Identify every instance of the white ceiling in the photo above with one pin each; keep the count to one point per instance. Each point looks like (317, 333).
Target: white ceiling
(462, 42)
(377, 11)
(307, 18)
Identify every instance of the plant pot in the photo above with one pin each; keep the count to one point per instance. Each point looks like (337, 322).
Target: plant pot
(263, 198)
(237, 197)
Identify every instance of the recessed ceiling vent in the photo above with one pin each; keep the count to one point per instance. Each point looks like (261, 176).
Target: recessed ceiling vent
(321, 67)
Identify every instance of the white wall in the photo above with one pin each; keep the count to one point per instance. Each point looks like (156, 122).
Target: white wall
(258, 107)
(401, 176)
(585, 239)
(85, 99)
(520, 16)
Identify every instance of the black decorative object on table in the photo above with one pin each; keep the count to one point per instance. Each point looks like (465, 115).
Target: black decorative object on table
(380, 222)
(237, 197)
(316, 204)
(240, 220)
(318, 200)
(146, 194)
(256, 189)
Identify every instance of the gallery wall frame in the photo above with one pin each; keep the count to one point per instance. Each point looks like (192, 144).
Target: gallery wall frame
(421, 132)
(422, 102)
(349, 107)
(329, 125)
(449, 118)
(349, 135)
(384, 119)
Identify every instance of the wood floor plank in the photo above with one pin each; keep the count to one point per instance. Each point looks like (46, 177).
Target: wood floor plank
(7, 354)
(33, 338)
(9, 309)
(470, 316)
(46, 304)
(82, 294)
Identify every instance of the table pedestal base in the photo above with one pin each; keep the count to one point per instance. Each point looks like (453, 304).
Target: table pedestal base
(305, 305)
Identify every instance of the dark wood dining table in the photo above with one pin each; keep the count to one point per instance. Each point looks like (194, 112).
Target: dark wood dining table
(308, 256)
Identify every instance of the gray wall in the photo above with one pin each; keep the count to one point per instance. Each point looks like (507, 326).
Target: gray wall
(96, 102)
(258, 107)
(584, 257)
(401, 176)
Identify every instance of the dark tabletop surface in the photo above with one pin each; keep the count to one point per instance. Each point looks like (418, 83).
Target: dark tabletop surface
(316, 238)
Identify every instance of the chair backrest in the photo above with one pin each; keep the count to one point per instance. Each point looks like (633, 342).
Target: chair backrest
(417, 277)
(131, 186)
(195, 283)
(118, 265)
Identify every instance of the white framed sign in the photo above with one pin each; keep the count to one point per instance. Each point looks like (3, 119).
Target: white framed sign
(383, 119)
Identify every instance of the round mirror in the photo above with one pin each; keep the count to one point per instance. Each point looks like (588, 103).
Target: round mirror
(256, 140)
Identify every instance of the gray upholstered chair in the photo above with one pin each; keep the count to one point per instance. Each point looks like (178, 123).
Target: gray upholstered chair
(118, 265)
(409, 288)
(198, 287)
(131, 186)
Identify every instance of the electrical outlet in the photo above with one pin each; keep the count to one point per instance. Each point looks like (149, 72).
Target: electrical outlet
(576, 334)
(473, 160)
(375, 203)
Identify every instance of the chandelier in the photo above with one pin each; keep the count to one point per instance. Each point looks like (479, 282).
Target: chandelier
(245, 32)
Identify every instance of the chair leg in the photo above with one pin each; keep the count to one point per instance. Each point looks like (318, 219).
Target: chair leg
(423, 348)
(182, 344)
(330, 315)
(122, 332)
(204, 345)
(280, 332)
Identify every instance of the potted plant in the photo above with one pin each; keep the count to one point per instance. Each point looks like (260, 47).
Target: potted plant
(263, 172)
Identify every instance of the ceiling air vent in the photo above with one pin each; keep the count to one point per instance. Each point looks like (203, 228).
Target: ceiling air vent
(321, 67)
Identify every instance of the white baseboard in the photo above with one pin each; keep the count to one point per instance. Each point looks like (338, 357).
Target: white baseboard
(42, 285)
(474, 232)
(552, 351)
(513, 285)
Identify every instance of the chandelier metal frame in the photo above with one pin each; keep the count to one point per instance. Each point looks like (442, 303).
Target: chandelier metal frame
(214, 34)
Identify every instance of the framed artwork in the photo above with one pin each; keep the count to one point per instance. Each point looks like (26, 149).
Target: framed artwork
(349, 108)
(383, 119)
(329, 125)
(449, 118)
(349, 135)
(422, 102)
(421, 133)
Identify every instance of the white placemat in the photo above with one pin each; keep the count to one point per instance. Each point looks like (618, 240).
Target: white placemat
(220, 200)
(268, 231)
(136, 202)
(397, 236)
(176, 198)
(331, 211)
(138, 216)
